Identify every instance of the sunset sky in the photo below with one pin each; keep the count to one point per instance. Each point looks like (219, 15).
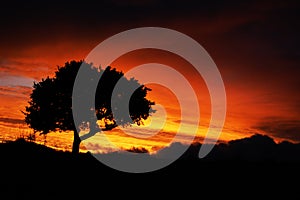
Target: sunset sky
(255, 45)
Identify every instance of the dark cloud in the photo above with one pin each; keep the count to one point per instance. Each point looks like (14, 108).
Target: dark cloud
(11, 120)
(281, 128)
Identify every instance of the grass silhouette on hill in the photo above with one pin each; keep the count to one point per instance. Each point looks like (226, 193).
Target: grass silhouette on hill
(257, 160)
(257, 148)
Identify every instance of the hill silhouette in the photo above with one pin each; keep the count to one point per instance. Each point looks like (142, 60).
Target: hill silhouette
(254, 160)
(257, 148)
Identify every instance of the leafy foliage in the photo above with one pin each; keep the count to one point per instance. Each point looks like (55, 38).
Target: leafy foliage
(50, 105)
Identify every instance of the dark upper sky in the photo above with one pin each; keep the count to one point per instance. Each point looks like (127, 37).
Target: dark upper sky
(255, 44)
(267, 31)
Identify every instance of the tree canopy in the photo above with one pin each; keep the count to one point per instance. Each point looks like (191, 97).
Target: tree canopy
(50, 105)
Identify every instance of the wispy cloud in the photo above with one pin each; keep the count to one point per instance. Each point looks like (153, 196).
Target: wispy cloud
(22, 68)
(15, 91)
(15, 81)
(287, 129)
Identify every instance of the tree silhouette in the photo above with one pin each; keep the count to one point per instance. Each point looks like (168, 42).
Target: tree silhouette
(50, 105)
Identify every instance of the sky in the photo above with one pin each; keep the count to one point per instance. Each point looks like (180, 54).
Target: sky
(254, 44)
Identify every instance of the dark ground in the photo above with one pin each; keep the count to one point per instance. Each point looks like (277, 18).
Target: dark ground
(30, 170)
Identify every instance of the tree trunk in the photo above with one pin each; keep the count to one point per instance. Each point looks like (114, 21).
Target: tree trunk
(76, 143)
